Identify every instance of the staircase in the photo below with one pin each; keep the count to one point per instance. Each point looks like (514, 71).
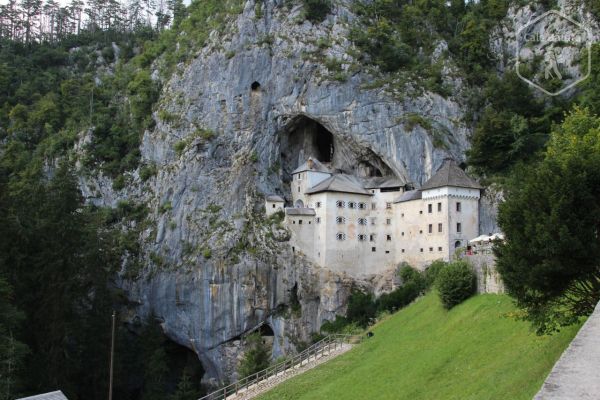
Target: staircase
(255, 384)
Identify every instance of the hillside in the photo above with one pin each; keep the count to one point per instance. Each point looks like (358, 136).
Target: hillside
(474, 351)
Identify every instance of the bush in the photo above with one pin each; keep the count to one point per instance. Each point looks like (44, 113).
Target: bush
(361, 308)
(455, 283)
(256, 357)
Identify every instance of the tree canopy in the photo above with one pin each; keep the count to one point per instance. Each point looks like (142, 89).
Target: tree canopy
(551, 218)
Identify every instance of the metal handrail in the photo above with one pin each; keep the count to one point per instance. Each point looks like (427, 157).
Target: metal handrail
(314, 350)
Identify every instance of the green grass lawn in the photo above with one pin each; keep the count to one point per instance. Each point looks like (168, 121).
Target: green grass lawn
(474, 351)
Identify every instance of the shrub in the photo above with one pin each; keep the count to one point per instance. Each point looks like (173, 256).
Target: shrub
(118, 183)
(256, 357)
(179, 147)
(147, 172)
(361, 308)
(431, 272)
(455, 283)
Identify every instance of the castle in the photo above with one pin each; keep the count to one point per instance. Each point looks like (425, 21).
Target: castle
(368, 225)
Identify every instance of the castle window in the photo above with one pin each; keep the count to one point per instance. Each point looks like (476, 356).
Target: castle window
(458, 227)
(371, 237)
(298, 189)
(421, 231)
(421, 212)
(402, 233)
(402, 215)
(293, 222)
(340, 204)
(439, 227)
(403, 250)
(431, 249)
(439, 249)
(340, 220)
(255, 86)
(351, 204)
(387, 252)
(388, 206)
(309, 222)
(340, 236)
(318, 204)
(362, 238)
(430, 228)
(373, 206)
(429, 208)
(388, 221)
(373, 220)
(362, 206)
(421, 249)
(300, 222)
(388, 238)
(362, 221)
(439, 207)
(318, 220)
(457, 244)
(458, 207)
(373, 249)
(273, 205)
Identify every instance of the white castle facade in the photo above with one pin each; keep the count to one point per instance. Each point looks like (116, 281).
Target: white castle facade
(365, 226)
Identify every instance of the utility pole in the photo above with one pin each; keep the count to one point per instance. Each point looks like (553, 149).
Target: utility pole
(112, 355)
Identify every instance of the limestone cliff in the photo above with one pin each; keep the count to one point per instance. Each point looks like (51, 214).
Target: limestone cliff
(245, 111)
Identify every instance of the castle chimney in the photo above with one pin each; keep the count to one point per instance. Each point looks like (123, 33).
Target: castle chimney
(310, 163)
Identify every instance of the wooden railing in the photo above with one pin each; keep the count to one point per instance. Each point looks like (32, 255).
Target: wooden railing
(326, 345)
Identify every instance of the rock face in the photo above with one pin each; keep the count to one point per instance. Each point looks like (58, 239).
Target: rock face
(216, 267)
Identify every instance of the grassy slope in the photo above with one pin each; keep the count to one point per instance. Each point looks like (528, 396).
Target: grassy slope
(474, 351)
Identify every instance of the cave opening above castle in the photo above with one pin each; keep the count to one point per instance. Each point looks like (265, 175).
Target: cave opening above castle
(365, 225)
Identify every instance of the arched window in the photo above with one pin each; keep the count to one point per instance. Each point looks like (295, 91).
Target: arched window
(340, 236)
(340, 220)
(255, 86)
(340, 204)
(299, 204)
(362, 221)
(457, 244)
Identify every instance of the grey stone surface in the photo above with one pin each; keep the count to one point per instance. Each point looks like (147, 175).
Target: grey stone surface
(576, 375)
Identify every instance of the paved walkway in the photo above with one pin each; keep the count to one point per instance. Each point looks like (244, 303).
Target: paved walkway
(264, 386)
(576, 375)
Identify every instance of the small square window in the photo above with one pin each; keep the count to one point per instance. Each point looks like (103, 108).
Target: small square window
(293, 222)
(299, 222)
(388, 221)
(431, 249)
(458, 227)
(402, 233)
(421, 212)
(421, 249)
(439, 249)
(458, 206)
(318, 205)
(403, 250)
(387, 252)
(273, 205)
(421, 231)
(388, 205)
(439, 207)
(373, 206)
(298, 189)
(309, 222)
(402, 215)
(372, 237)
(430, 227)
(429, 208)
(373, 249)
(439, 227)
(318, 220)
(388, 238)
